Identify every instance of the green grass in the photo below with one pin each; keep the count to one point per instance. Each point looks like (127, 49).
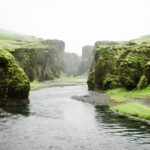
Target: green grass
(129, 102)
(64, 77)
(11, 40)
(133, 109)
(123, 95)
(145, 38)
(14, 36)
(119, 95)
(57, 82)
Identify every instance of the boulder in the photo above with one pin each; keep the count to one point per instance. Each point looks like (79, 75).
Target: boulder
(14, 84)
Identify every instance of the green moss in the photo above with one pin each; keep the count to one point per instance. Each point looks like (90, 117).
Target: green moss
(131, 69)
(123, 95)
(111, 81)
(133, 109)
(90, 81)
(45, 57)
(147, 71)
(106, 64)
(119, 95)
(13, 81)
(121, 65)
(142, 83)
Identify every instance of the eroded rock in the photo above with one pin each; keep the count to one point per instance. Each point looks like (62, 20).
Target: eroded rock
(14, 85)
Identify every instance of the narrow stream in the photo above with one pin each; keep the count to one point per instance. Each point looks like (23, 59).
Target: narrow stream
(54, 121)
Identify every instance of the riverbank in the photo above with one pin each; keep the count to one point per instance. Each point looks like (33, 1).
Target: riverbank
(134, 103)
(94, 97)
(57, 82)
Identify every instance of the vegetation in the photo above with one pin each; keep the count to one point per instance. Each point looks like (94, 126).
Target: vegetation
(41, 60)
(135, 102)
(62, 81)
(13, 82)
(123, 95)
(133, 109)
(11, 40)
(123, 70)
(121, 65)
(145, 38)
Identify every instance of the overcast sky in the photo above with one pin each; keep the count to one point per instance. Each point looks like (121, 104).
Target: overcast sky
(77, 22)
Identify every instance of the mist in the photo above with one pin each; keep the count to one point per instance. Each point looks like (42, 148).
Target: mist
(77, 22)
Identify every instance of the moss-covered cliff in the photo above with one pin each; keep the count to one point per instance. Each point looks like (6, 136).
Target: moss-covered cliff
(120, 65)
(40, 59)
(41, 63)
(14, 85)
(86, 59)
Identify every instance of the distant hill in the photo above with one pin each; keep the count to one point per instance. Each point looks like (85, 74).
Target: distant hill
(145, 38)
(11, 40)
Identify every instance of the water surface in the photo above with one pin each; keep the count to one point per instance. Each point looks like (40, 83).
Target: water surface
(54, 121)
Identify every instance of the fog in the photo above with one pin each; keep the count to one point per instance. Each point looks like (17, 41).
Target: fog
(77, 22)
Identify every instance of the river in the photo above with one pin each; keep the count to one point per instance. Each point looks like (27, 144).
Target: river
(54, 121)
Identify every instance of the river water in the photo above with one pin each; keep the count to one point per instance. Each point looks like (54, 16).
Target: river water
(54, 121)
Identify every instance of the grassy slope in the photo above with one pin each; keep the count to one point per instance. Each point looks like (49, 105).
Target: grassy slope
(11, 40)
(145, 38)
(129, 102)
(122, 95)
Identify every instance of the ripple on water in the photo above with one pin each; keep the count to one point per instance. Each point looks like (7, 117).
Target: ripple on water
(54, 121)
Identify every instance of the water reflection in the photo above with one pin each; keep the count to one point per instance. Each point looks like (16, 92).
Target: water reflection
(21, 110)
(122, 126)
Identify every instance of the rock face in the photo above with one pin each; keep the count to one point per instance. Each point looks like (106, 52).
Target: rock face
(41, 59)
(71, 62)
(75, 65)
(14, 85)
(43, 63)
(120, 65)
(86, 59)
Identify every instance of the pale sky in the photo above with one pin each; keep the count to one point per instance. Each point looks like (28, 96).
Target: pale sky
(77, 22)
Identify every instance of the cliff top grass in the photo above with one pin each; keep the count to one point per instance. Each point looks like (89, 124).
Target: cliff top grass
(11, 40)
(145, 38)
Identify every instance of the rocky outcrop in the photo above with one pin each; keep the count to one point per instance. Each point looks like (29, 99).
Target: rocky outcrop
(71, 62)
(120, 65)
(43, 63)
(14, 85)
(86, 59)
(75, 65)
